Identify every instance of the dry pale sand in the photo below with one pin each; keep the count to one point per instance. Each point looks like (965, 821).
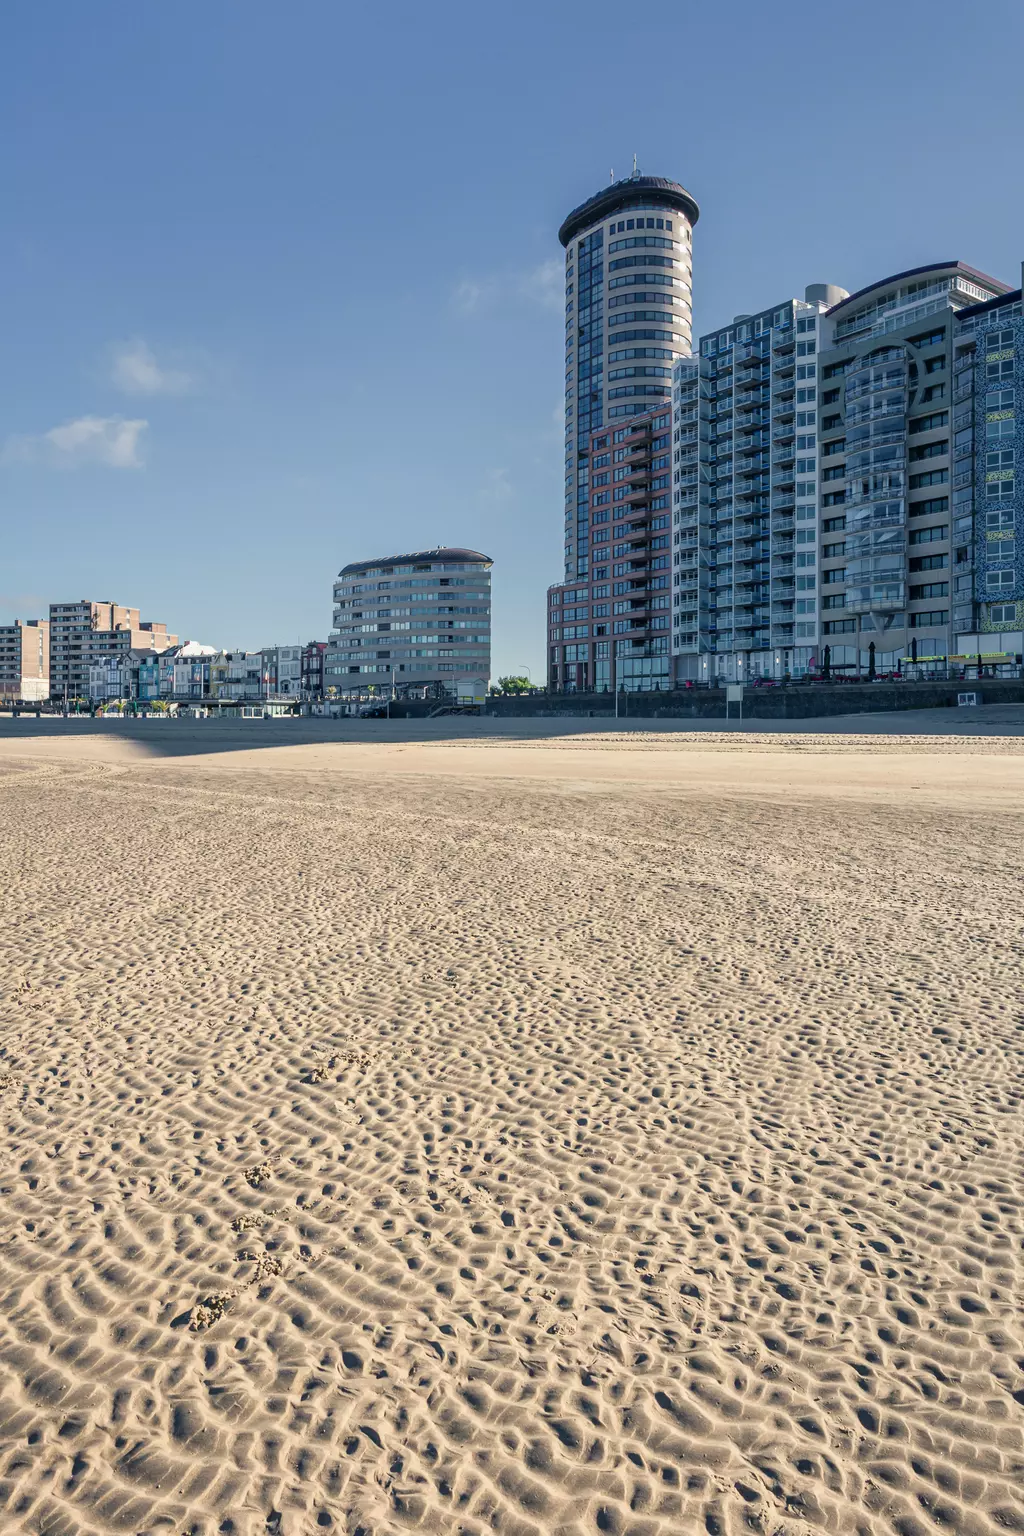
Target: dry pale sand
(577, 1135)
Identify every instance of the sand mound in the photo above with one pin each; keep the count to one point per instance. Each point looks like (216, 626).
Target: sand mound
(424, 1153)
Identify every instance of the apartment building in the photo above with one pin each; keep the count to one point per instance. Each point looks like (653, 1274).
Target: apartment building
(627, 318)
(411, 622)
(609, 629)
(84, 633)
(888, 549)
(987, 568)
(24, 661)
(744, 492)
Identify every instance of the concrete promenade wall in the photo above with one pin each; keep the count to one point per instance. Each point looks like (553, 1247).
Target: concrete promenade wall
(792, 702)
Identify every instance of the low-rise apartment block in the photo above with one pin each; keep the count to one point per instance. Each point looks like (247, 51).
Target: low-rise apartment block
(24, 661)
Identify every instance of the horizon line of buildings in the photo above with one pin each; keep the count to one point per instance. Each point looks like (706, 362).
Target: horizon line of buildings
(827, 483)
(417, 623)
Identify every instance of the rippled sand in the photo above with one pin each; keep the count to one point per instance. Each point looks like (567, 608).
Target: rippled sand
(550, 1137)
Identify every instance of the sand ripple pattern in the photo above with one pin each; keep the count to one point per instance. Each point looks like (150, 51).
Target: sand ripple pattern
(453, 1158)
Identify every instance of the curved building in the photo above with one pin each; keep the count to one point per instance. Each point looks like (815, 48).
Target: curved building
(405, 622)
(627, 319)
(895, 444)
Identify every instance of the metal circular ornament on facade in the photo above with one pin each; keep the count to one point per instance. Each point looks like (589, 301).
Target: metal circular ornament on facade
(634, 192)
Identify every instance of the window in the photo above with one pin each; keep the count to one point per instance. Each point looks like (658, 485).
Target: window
(835, 472)
(930, 450)
(929, 423)
(929, 477)
(996, 581)
(929, 563)
(929, 535)
(929, 589)
(839, 627)
(830, 422)
(833, 551)
(1005, 613)
(834, 499)
(931, 508)
(933, 392)
(933, 620)
(834, 600)
(995, 371)
(833, 525)
(998, 517)
(1000, 552)
(932, 339)
(833, 578)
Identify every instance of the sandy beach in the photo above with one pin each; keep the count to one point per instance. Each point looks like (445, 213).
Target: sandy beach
(524, 1129)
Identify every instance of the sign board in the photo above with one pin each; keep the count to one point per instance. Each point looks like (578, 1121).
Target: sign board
(966, 699)
(734, 693)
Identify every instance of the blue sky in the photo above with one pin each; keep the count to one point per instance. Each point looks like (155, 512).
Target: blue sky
(281, 283)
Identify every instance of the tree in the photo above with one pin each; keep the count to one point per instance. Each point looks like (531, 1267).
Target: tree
(513, 685)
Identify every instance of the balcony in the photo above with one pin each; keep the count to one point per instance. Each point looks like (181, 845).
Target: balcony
(881, 597)
(784, 340)
(784, 432)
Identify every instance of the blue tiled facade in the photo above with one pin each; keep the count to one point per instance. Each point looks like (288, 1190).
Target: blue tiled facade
(989, 465)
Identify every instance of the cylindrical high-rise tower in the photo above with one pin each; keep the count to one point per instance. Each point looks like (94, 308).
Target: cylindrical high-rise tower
(627, 319)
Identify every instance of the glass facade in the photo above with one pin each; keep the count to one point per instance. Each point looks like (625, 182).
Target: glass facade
(987, 575)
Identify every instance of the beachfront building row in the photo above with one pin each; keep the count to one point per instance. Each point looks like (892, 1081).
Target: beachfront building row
(802, 491)
(817, 531)
(412, 624)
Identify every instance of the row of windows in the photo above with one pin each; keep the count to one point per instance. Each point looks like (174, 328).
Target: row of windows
(633, 297)
(633, 240)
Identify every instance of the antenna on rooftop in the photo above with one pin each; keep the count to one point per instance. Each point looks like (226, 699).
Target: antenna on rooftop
(611, 175)
(635, 171)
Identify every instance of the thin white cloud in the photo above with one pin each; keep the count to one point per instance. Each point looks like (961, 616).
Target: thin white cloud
(497, 486)
(135, 370)
(544, 284)
(536, 285)
(109, 440)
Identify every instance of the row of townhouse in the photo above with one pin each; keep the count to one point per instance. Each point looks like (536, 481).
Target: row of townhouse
(192, 673)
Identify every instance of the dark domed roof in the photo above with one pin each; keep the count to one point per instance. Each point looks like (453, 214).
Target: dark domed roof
(441, 554)
(629, 194)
